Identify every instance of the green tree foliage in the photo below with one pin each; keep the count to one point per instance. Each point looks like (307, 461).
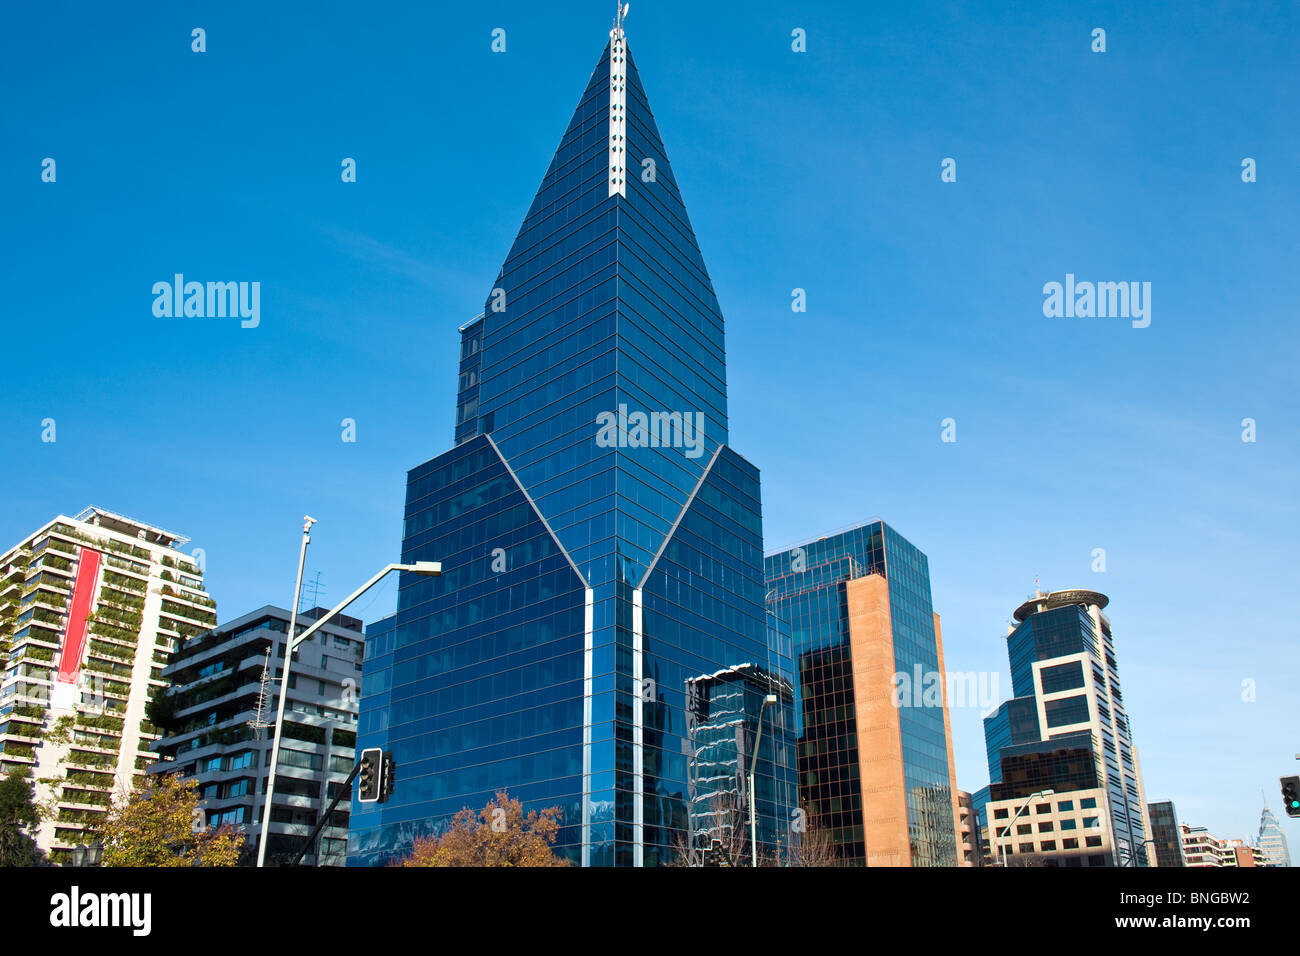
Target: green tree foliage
(18, 816)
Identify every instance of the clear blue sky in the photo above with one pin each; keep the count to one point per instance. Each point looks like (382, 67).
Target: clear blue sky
(817, 170)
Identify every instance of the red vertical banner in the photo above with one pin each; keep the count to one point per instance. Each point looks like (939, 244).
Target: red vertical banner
(83, 598)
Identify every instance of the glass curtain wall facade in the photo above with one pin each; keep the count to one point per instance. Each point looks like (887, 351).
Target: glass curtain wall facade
(601, 544)
(1168, 845)
(1272, 841)
(810, 589)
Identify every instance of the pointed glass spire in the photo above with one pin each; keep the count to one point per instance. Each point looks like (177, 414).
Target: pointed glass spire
(604, 307)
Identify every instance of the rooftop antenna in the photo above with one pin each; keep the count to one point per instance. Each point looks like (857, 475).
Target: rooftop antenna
(620, 14)
(262, 711)
(312, 592)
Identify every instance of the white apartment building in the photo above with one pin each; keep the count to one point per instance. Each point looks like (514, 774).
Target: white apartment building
(90, 607)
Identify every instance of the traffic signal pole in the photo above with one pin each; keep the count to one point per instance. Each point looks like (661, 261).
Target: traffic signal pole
(307, 844)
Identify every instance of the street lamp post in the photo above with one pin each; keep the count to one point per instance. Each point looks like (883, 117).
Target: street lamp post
(753, 766)
(426, 568)
(83, 855)
(1002, 846)
(307, 522)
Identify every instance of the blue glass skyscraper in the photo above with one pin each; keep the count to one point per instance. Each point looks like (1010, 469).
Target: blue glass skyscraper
(601, 544)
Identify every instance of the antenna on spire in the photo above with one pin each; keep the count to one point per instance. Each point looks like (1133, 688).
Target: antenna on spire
(620, 14)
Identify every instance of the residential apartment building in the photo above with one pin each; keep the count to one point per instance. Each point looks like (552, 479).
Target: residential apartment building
(875, 745)
(92, 606)
(1066, 730)
(600, 541)
(218, 718)
(1202, 849)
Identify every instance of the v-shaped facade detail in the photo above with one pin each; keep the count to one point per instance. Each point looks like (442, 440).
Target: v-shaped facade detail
(598, 640)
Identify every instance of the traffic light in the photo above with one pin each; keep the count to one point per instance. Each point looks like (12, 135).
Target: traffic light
(1291, 796)
(372, 768)
(387, 776)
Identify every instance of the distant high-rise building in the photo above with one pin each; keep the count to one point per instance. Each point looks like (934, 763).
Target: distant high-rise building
(221, 713)
(89, 609)
(1167, 841)
(601, 543)
(875, 747)
(1272, 841)
(1066, 730)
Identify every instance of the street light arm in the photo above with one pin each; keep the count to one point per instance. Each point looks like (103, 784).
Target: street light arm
(426, 568)
(1025, 806)
(422, 567)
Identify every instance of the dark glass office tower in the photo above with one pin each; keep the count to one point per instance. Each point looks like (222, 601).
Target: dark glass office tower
(1166, 839)
(601, 544)
(874, 744)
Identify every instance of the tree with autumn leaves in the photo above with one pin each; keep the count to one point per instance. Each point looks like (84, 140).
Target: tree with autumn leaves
(500, 834)
(158, 825)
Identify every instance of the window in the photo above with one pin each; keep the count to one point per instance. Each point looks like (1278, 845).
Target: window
(1062, 677)
(341, 764)
(1069, 844)
(1093, 841)
(1091, 822)
(1043, 808)
(232, 816)
(1045, 827)
(241, 760)
(1066, 710)
(1048, 845)
(1000, 814)
(1088, 803)
(1065, 805)
(1024, 828)
(1026, 848)
(1069, 825)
